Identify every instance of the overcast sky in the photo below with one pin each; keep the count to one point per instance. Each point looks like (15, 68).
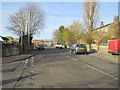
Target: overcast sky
(57, 14)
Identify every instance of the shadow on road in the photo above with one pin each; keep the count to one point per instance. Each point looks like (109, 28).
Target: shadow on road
(4, 82)
(92, 51)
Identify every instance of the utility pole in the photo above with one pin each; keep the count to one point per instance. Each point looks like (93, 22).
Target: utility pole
(21, 43)
(29, 31)
(22, 33)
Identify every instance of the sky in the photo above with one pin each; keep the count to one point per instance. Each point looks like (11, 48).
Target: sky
(57, 14)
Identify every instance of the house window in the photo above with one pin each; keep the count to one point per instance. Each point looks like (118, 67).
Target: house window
(106, 29)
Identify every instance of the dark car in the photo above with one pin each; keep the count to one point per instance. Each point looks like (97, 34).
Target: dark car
(41, 46)
(78, 48)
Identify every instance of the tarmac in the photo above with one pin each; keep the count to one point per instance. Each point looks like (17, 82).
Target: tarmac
(8, 65)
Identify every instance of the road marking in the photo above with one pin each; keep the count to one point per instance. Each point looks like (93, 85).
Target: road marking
(101, 71)
(95, 69)
(26, 62)
(92, 67)
(32, 62)
(56, 51)
(74, 59)
(71, 58)
(68, 57)
(61, 53)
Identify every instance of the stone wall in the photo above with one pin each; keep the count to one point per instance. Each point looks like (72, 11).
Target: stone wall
(10, 49)
(101, 48)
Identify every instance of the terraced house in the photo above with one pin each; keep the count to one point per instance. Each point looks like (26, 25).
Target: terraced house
(111, 30)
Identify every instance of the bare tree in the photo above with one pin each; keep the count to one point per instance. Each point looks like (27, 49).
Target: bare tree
(90, 17)
(31, 16)
(27, 21)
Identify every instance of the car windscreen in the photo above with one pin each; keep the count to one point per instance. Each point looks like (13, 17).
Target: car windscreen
(41, 45)
(59, 43)
(81, 45)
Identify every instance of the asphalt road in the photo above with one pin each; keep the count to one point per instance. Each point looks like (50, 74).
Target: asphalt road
(57, 68)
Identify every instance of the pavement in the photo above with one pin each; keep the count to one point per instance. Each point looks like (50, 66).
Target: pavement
(106, 53)
(20, 57)
(107, 57)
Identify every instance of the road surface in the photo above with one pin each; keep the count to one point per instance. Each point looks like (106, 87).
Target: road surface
(57, 68)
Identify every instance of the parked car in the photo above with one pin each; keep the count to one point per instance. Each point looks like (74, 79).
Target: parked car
(59, 45)
(78, 48)
(114, 46)
(41, 46)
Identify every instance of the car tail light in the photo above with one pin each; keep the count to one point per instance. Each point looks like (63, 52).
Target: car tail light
(77, 45)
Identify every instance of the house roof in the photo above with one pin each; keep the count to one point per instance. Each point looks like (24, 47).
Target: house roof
(4, 38)
(102, 26)
(1, 39)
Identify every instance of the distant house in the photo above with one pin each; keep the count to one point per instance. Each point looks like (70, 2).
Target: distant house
(4, 39)
(1, 39)
(8, 39)
(105, 29)
(35, 43)
(48, 43)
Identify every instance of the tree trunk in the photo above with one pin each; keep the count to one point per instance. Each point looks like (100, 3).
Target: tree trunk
(90, 47)
(98, 46)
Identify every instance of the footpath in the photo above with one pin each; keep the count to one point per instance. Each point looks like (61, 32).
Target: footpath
(107, 56)
(11, 71)
(20, 57)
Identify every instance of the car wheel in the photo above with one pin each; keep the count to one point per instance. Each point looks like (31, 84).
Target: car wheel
(74, 52)
(86, 53)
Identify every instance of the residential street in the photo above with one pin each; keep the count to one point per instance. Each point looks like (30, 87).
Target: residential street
(57, 68)
(60, 44)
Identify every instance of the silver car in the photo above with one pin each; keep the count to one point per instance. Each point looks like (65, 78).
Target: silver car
(78, 48)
